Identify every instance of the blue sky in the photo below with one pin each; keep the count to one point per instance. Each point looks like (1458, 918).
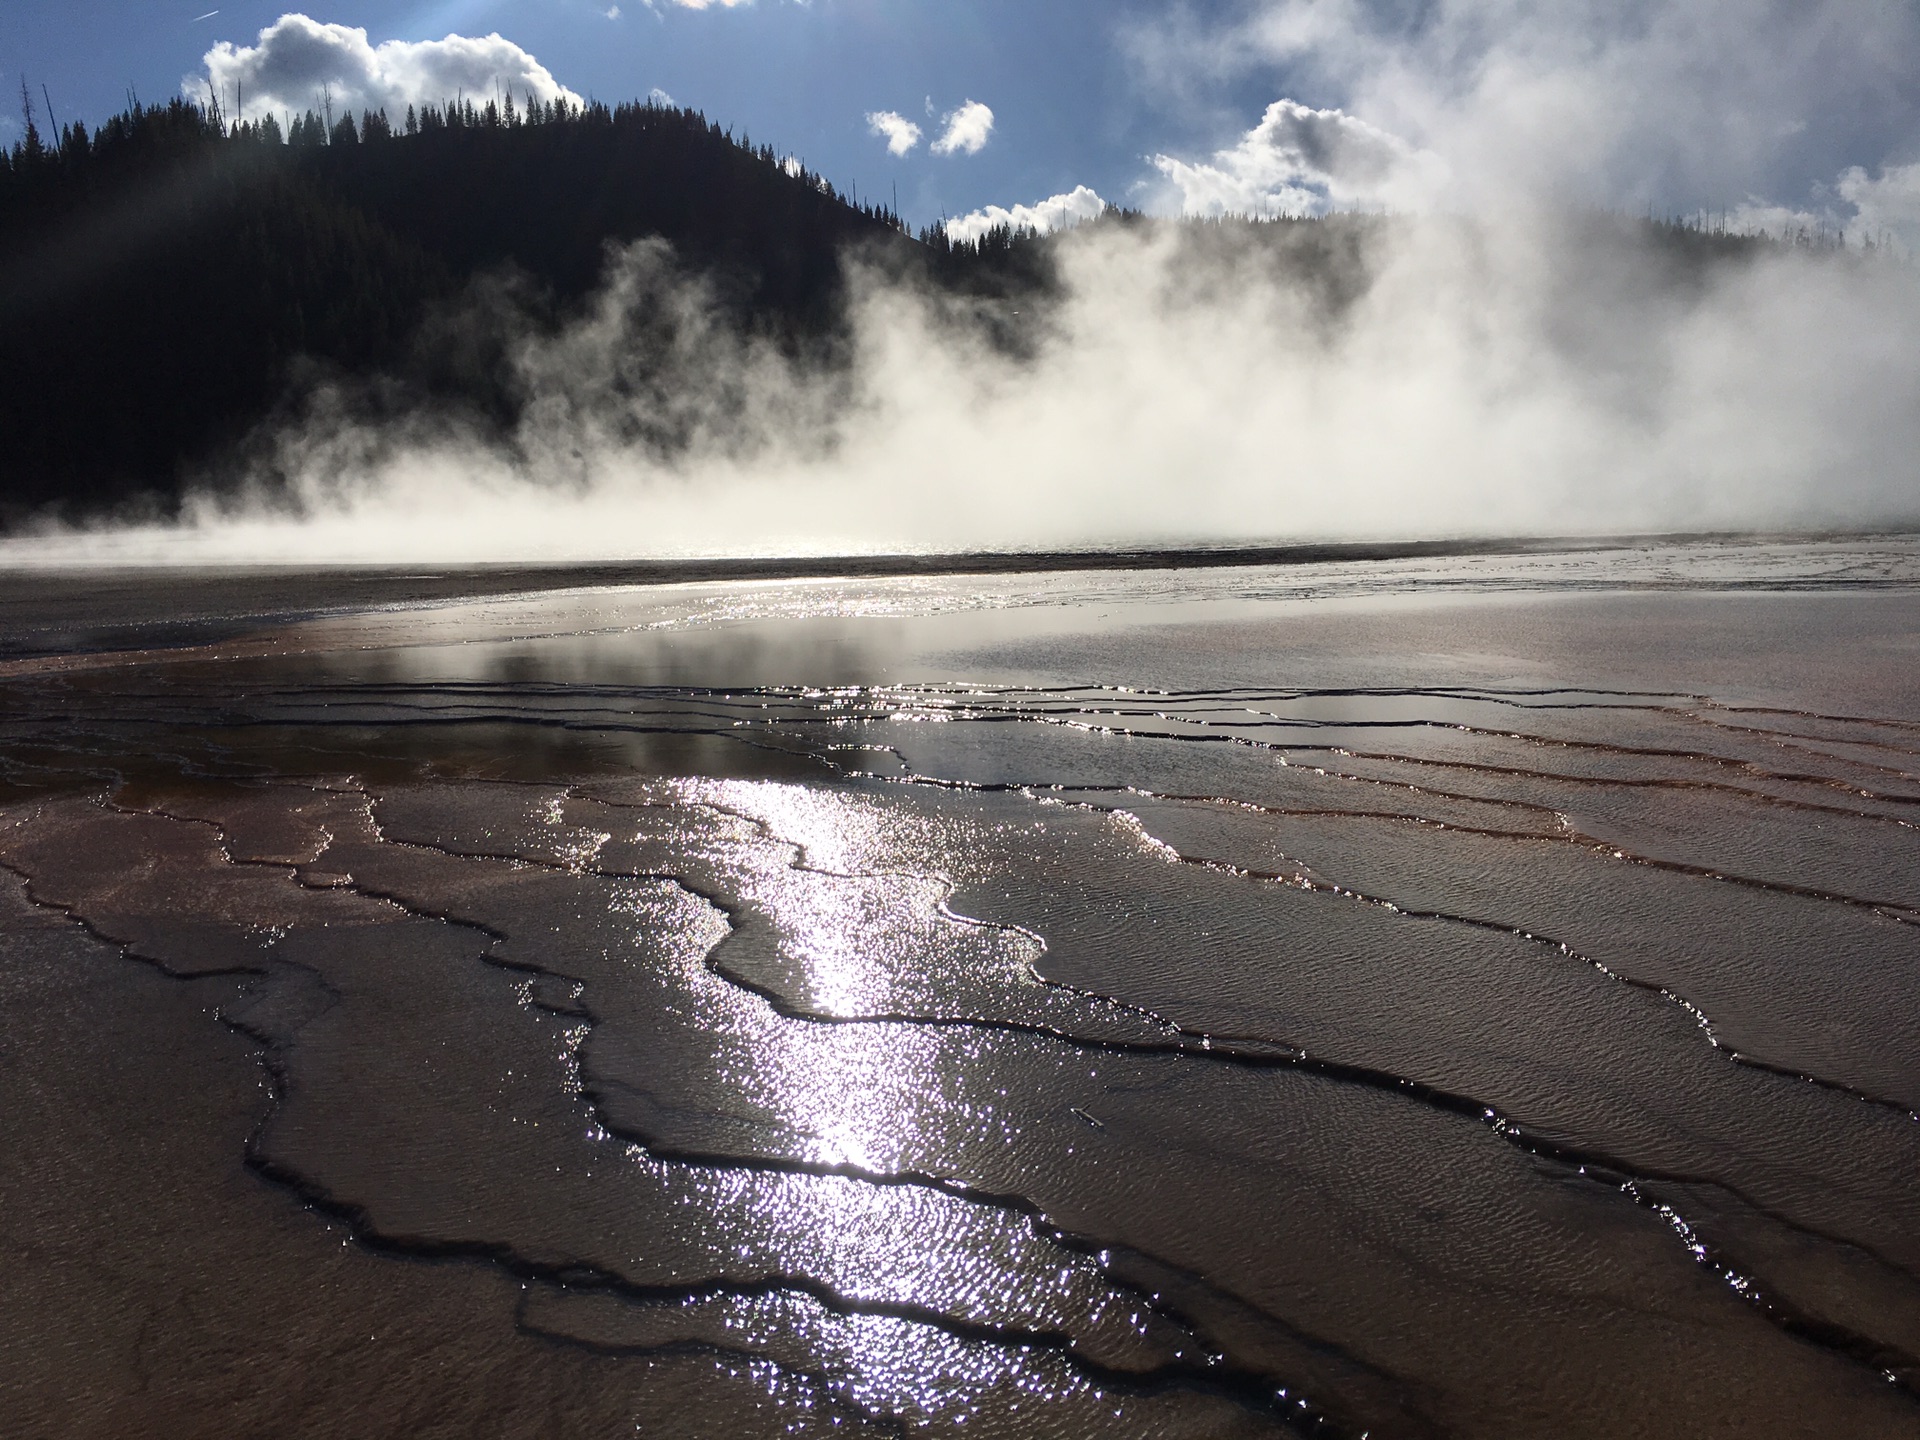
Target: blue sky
(1068, 105)
(1776, 109)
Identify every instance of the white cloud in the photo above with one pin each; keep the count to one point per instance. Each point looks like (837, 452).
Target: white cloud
(613, 12)
(966, 130)
(1888, 203)
(660, 97)
(1303, 161)
(1622, 103)
(1056, 212)
(298, 61)
(1756, 216)
(900, 133)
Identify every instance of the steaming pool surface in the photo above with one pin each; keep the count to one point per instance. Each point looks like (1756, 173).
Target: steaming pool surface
(1471, 997)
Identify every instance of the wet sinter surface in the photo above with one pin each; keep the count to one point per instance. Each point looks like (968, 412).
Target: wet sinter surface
(1450, 999)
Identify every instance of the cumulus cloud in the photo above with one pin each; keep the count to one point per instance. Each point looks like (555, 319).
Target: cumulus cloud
(1754, 216)
(1887, 203)
(1056, 212)
(900, 133)
(1677, 104)
(965, 131)
(1302, 161)
(1880, 209)
(298, 64)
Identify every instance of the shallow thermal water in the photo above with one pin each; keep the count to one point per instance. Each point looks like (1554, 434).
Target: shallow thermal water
(1442, 998)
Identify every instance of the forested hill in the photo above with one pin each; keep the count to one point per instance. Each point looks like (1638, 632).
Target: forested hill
(166, 280)
(176, 285)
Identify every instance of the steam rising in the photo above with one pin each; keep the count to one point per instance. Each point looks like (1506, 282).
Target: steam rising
(1183, 386)
(1502, 362)
(1681, 104)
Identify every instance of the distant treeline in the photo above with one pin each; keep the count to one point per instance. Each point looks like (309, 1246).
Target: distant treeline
(168, 279)
(175, 279)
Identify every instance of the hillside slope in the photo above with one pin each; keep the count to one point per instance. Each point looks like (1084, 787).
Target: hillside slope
(165, 283)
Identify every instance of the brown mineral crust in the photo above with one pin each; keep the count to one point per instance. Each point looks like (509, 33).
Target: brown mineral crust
(283, 823)
(165, 888)
(158, 1288)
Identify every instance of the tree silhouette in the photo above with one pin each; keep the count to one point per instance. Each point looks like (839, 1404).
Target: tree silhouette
(173, 281)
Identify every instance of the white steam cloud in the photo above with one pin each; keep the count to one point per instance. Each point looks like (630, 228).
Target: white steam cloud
(1183, 386)
(1056, 212)
(965, 131)
(1494, 359)
(900, 133)
(1677, 105)
(300, 64)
